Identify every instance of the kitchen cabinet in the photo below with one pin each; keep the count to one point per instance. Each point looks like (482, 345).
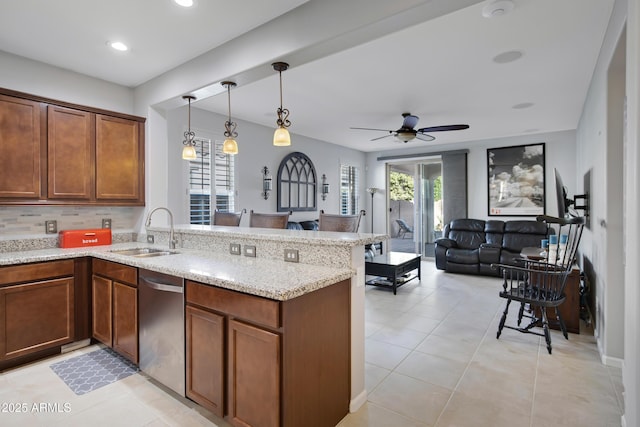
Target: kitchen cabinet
(21, 148)
(69, 143)
(119, 160)
(37, 306)
(53, 152)
(115, 307)
(261, 362)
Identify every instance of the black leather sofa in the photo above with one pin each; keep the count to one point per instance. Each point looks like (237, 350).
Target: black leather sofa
(470, 246)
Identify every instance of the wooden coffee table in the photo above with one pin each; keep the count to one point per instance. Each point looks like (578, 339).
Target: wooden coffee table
(393, 269)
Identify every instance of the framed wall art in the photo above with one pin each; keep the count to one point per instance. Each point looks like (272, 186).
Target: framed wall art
(516, 180)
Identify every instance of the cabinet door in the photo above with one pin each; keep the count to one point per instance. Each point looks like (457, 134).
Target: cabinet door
(70, 136)
(36, 316)
(125, 321)
(101, 318)
(253, 376)
(119, 159)
(205, 359)
(20, 148)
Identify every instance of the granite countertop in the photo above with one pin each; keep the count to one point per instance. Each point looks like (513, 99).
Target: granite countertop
(274, 279)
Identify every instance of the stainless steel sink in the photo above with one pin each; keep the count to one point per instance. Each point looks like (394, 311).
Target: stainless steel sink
(143, 252)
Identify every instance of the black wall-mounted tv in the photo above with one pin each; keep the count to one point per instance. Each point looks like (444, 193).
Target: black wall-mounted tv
(561, 196)
(564, 202)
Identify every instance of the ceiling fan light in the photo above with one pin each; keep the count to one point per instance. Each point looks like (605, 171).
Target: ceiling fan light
(405, 136)
(230, 146)
(189, 152)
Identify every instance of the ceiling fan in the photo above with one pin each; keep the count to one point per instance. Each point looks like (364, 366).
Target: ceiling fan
(407, 131)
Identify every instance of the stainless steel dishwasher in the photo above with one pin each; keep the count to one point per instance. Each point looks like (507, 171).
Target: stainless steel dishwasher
(161, 336)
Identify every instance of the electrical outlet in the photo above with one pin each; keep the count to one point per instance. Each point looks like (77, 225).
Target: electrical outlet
(150, 238)
(235, 248)
(249, 250)
(291, 255)
(51, 226)
(106, 222)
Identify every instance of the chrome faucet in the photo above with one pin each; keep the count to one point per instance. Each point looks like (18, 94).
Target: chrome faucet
(172, 240)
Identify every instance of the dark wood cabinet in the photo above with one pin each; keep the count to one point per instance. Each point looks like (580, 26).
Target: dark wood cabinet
(115, 307)
(37, 306)
(280, 363)
(205, 358)
(69, 153)
(253, 375)
(119, 160)
(21, 148)
(53, 152)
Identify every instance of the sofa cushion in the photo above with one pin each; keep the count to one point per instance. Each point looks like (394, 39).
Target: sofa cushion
(468, 233)
(462, 256)
(523, 234)
(493, 231)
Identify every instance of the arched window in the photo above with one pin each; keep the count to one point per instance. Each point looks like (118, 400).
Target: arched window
(297, 186)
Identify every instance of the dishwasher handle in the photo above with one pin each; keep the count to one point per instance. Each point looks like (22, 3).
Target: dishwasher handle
(166, 287)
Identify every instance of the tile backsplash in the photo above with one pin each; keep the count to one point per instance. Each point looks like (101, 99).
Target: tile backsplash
(30, 220)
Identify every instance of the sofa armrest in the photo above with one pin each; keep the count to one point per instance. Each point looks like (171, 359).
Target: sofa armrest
(442, 246)
(446, 243)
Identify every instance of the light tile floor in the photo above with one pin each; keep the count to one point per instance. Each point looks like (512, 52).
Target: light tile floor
(432, 359)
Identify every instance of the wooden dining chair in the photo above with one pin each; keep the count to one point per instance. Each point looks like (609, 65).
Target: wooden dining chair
(230, 219)
(343, 223)
(270, 220)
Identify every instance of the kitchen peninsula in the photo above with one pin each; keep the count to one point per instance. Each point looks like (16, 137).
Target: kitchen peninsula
(315, 305)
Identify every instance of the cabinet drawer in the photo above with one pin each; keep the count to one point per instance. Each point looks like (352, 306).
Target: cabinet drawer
(248, 307)
(115, 271)
(33, 272)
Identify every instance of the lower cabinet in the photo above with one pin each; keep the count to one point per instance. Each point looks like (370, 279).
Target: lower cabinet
(37, 306)
(260, 362)
(115, 307)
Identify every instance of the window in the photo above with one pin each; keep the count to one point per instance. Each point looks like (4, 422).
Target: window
(200, 188)
(349, 184)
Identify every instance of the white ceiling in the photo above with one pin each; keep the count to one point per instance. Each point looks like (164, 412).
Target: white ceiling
(441, 70)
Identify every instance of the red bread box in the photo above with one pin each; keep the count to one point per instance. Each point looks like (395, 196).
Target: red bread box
(81, 238)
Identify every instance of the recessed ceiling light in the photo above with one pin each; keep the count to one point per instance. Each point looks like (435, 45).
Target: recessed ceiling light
(497, 8)
(118, 46)
(506, 57)
(523, 105)
(184, 3)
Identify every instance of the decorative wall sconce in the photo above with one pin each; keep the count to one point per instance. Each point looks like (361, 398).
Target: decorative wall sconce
(281, 137)
(325, 187)
(230, 146)
(189, 150)
(266, 182)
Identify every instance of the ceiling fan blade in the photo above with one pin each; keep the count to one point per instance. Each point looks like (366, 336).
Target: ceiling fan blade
(383, 130)
(410, 121)
(443, 128)
(424, 137)
(380, 137)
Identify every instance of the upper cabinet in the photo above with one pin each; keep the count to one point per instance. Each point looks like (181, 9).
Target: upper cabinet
(21, 146)
(55, 153)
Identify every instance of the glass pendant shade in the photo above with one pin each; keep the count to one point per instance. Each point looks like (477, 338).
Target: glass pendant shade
(230, 146)
(189, 152)
(281, 137)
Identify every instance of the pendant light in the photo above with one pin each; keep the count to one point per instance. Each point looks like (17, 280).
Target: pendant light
(189, 150)
(230, 145)
(281, 137)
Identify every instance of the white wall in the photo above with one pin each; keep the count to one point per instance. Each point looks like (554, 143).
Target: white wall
(631, 366)
(559, 153)
(596, 143)
(255, 150)
(36, 78)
